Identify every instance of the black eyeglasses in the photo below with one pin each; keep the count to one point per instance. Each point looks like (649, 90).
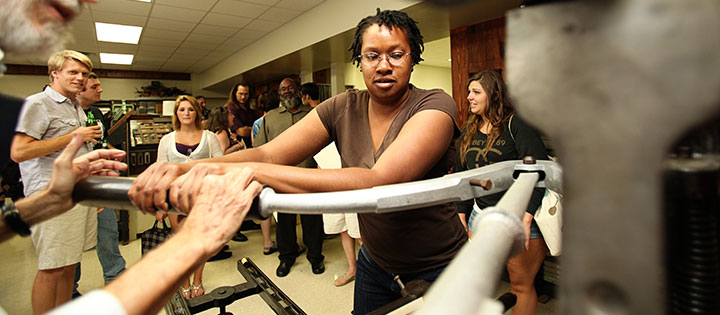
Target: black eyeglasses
(372, 59)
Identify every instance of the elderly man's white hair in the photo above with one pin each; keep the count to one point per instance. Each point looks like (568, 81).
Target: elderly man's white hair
(35, 27)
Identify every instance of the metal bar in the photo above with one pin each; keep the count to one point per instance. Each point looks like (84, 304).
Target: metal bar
(470, 281)
(112, 191)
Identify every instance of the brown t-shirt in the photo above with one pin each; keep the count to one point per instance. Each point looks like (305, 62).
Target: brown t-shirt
(405, 241)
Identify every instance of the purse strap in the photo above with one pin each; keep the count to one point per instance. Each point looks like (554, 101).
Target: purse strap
(155, 225)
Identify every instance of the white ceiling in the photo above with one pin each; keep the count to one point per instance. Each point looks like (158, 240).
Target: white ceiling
(180, 35)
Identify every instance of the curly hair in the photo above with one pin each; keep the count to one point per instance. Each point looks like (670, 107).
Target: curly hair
(218, 119)
(268, 100)
(497, 111)
(391, 19)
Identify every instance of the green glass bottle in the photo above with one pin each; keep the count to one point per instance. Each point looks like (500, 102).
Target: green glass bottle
(91, 121)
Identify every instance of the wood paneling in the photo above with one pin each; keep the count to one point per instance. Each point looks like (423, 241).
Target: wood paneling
(475, 48)
(104, 73)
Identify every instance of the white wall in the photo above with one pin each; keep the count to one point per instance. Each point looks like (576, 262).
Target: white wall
(25, 85)
(425, 77)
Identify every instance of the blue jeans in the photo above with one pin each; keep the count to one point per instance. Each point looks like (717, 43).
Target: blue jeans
(112, 262)
(375, 287)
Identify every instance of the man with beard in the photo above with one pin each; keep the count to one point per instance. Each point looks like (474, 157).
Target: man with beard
(291, 110)
(238, 104)
(108, 252)
(35, 28)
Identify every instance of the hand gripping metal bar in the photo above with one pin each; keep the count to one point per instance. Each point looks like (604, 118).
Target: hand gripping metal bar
(98, 191)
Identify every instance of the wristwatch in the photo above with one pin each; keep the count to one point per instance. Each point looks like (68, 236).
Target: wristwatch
(13, 220)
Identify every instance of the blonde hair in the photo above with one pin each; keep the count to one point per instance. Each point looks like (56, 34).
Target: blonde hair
(196, 107)
(57, 61)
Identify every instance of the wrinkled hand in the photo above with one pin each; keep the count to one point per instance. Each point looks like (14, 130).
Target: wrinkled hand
(221, 206)
(89, 134)
(149, 191)
(68, 171)
(185, 189)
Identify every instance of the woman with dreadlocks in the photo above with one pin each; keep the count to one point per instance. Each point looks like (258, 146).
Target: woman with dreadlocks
(390, 133)
(493, 133)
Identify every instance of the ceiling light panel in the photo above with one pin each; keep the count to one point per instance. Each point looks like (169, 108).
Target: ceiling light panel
(117, 59)
(117, 33)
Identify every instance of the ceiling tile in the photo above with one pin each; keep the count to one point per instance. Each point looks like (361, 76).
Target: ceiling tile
(245, 34)
(204, 38)
(190, 53)
(117, 48)
(149, 60)
(302, 5)
(279, 15)
(232, 46)
(165, 24)
(166, 34)
(85, 15)
(172, 43)
(225, 20)
(239, 8)
(265, 2)
(125, 7)
(215, 30)
(202, 5)
(85, 46)
(197, 48)
(156, 49)
(175, 13)
(262, 25)
(119, 18)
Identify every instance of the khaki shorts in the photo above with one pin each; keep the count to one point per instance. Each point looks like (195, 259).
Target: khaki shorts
(334, 223)
(60, 241)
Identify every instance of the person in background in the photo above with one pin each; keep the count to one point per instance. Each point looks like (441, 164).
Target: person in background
(108, 252)
(310, 94)
(219, 121)
(274, 123)
(238, 104)
(47, 123)
(267, 101)
(29, 30)
(390, 133)
(205, 112)
(345, 224)
(493, 133)
(188, 142)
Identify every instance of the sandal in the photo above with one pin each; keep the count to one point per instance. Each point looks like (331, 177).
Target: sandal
(270, 250)
(197, 290)
(185, 293)
(343, 280)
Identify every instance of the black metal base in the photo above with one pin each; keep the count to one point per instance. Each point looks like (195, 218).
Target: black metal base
(257, 283)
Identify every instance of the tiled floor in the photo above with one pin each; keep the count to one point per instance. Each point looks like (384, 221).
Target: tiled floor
(315, 294)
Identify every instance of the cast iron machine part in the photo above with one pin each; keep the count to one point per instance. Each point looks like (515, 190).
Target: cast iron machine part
(614, 84)
(256, 283)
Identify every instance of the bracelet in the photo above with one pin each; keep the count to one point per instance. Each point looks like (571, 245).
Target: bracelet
(13, 220)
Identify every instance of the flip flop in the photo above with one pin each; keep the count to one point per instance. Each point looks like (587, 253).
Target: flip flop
(270, 250)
